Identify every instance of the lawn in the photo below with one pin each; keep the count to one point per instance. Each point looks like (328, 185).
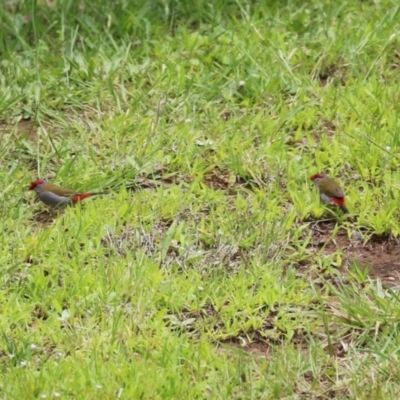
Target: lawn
(211, 270)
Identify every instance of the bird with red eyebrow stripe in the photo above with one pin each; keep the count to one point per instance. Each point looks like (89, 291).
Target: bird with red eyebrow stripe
(56, 196)
(330, 191)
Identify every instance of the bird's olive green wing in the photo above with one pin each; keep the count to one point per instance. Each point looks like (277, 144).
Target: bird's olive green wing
(331, 188)
(59, 190)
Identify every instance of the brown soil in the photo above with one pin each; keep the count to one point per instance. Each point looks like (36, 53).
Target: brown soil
(380, 254)
(24, 128)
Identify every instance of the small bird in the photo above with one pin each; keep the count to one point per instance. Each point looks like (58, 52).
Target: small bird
(330, 191)
(56, 196)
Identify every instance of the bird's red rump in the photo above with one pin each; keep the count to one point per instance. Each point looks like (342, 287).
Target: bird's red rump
(339, 201)
(80, 196)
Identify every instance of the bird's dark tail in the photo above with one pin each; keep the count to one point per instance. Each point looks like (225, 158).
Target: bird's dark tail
(344, 209)
(96, 193)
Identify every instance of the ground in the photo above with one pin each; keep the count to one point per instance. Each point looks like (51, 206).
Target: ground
(211, 269)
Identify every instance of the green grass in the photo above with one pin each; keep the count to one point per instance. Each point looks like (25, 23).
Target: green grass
(199, 276)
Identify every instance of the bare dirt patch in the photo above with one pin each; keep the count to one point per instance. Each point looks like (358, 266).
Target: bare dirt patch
(46, 217)
(257, 348)
(381, 254)
(324, 128)
(25, 128)
(226, 180)
(333, 73)
(160, 177)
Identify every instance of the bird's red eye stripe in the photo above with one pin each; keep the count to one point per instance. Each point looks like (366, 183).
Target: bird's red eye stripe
(316, 176)
(34, 184)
